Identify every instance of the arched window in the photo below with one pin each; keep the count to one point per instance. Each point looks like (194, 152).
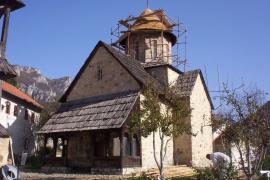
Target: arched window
(59, 147)
(99, 73)
(135, 146)
(115, 144)
(127, 145)
(7, 107)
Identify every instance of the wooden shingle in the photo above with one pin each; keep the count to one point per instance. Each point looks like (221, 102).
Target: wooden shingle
(101, 112)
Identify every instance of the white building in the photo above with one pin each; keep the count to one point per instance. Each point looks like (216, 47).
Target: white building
(19, 114)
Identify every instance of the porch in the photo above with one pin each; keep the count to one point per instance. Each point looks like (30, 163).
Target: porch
(96, 149)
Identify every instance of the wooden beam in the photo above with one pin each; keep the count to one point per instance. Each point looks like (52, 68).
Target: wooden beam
(4, 32)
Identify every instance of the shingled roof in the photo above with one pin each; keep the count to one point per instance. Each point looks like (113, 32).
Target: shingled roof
(6, 70)
(186, 81)
(3, 132)
(133, 66)
(101, 112)
(130, 64)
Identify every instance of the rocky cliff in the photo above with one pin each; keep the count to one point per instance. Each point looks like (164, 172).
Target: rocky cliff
(32, 82)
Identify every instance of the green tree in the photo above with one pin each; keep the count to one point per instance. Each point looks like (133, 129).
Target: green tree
(247, 127)
(13, 82)
(163, 115)
(50, 108)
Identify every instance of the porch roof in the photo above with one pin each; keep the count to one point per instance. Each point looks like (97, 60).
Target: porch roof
(100, 112)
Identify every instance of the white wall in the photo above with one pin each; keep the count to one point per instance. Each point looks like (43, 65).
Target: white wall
(202, 143)
(20, 130)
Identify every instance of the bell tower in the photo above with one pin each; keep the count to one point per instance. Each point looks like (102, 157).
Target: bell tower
(149, 37)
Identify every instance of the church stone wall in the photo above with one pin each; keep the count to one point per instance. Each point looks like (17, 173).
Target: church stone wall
(183, 144)
(114, 78)
(159, 73)
(200, 123)
(144, 41)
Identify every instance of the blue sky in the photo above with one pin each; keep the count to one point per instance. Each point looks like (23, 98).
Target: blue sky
(232, 36)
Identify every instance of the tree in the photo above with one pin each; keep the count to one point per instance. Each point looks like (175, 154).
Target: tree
(50, 108)
(247, 127)
(13, 81)
(163, 114)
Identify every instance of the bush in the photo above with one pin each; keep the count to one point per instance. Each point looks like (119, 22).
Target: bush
(266, 163)
(143, 176)
(265, 166)
(206, 174)
(36, 161)
(229, 173)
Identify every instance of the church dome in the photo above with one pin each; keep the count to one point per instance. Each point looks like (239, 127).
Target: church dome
(152, 20)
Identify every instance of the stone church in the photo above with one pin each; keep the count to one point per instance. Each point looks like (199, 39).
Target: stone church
(90, 129)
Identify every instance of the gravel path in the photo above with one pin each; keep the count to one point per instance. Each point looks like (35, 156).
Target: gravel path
(172, 171)
(43, 176)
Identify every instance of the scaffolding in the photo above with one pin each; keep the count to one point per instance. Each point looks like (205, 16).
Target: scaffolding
(178, 53)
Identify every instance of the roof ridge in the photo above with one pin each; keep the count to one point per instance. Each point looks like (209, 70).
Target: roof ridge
(100, 98)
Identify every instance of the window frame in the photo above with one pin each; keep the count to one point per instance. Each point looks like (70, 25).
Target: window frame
(8, 106)
(16, 111)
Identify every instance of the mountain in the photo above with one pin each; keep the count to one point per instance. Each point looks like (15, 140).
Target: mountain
(32, 82)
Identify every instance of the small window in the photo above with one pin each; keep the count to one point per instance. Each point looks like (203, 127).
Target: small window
(26, 114)
(32, 117)
(7, 107)
(99, 73)
(16, 110)
(155, 49)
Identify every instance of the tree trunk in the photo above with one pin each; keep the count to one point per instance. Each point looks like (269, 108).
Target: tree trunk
(250, 177)
(161, 174)
(161, 170)
(154, 149)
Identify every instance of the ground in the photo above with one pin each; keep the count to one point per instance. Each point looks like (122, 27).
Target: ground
(173, 171)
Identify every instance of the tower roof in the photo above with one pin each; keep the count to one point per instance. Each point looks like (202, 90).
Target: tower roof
(152, 20)
(148, 20)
